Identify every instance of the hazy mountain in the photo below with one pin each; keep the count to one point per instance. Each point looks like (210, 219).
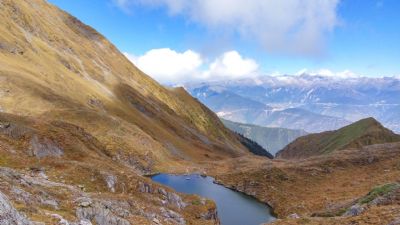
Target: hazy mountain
(345, 99)
(271, 138)
(361, 133)
(232, 106)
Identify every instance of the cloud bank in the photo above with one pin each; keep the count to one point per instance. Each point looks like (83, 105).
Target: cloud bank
(284, 26)
(170, 67)
(166, 65)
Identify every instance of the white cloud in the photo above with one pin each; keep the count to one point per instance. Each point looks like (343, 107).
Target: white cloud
(288, 26)
(231, 65)
(168, 66)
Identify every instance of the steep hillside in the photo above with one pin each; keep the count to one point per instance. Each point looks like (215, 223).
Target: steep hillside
(80, 125)
(272, 139)
(254, 147)
(364, 132)
(52, 66)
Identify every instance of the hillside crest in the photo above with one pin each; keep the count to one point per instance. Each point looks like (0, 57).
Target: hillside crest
(364, 132)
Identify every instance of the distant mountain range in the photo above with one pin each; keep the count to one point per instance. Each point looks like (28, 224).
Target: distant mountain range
(270, 138)
(308, 102)
(361, 133)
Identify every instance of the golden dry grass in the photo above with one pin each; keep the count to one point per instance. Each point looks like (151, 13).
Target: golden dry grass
(52, 66)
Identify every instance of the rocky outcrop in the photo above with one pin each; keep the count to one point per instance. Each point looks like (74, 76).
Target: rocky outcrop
(212, 214)
(44, 148)
(111, 181)
(9, 215)
(169, 197)
(354, 210)
(102, 212)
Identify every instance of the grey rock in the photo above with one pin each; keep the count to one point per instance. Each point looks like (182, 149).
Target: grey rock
(354, 210)
(50, 202)
(83, 222)
(84, 202)
(294, 216)
(172, 216)
(172, 198)
(9, 215)
(103, 213)
(22, 196)
(211, 214)
(111, 181)
(176, 200)
(44, 148)
(61, 220)
(145, 187)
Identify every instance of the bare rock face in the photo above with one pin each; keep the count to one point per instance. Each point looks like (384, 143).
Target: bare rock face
(104, 213)
(169, 197)
(111, 181)
(172, 198)
(212, 214)
(9, 215)
(44, 148)
(172, 216)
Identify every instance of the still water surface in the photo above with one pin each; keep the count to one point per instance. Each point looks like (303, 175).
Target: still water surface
(234, 208)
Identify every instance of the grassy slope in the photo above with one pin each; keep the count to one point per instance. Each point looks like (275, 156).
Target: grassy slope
(364, 132)
(53, 66)
(64, 87)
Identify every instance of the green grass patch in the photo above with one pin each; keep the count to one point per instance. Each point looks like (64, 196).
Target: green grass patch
(196, 202)
(378, 191)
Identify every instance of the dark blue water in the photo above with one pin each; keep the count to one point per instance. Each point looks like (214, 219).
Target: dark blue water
(234, 208)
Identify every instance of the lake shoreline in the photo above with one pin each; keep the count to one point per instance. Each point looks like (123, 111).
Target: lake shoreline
(230, 203)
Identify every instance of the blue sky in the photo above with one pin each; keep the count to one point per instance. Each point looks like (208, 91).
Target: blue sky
(214, 39)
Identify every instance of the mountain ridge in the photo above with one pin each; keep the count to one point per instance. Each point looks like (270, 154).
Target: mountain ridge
(364, 132)
(347, 98)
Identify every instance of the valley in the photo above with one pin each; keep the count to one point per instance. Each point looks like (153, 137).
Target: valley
(87, 138)
(270, 138)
